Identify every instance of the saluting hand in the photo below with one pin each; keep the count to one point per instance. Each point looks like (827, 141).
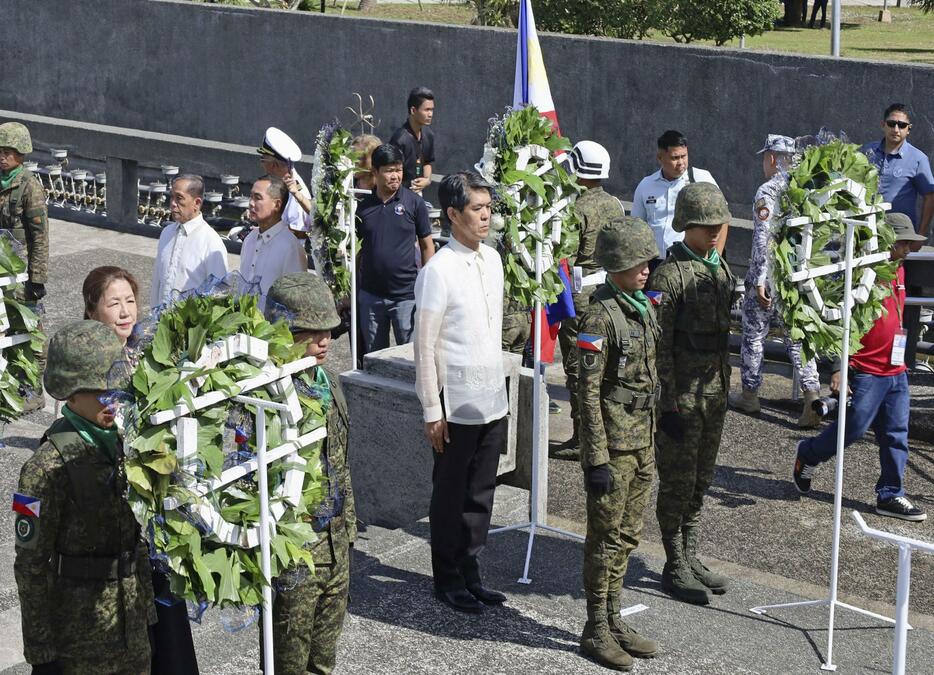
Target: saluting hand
(290, 182)
(437, 433)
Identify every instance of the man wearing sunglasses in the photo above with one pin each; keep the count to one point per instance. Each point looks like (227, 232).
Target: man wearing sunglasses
(904, 170)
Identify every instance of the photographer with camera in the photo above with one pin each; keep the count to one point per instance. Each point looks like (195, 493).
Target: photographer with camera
(878, 396)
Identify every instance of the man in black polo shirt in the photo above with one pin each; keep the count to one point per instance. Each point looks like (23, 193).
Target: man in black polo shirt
(389, 222)
(416, 140)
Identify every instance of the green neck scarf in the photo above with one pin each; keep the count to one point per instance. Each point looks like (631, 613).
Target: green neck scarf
(323, 388)
(712, 261)
(636, 299)
(105, 440)
(7, 178)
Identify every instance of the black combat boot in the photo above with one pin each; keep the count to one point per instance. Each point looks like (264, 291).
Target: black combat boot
(678, 578)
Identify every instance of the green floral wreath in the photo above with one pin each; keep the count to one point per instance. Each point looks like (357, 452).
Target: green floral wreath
(830, 181)
(517, 148)
(161, 488)
(22, 340)
(334, 162)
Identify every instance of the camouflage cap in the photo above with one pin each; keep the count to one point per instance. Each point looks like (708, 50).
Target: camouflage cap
(624, 243)
(700, 204)
(15, 135)
(81, 356)
(308, 298)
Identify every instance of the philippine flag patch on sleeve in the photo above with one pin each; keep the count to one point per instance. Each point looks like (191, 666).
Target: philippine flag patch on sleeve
(655, 297)
(590, 343)
(25, 505)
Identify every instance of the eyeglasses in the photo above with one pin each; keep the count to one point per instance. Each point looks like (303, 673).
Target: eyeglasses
(891, 124)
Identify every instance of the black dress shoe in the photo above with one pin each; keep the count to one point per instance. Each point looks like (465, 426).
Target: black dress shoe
(486, 596)
(460, 600)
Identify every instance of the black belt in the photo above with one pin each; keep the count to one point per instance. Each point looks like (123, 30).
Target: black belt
(97, 567)
(634, 400)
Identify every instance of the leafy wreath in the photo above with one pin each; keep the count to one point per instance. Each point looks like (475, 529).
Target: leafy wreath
(201, 568)
(818, 188)
(334, 161)
(19, 368)
(518, 149)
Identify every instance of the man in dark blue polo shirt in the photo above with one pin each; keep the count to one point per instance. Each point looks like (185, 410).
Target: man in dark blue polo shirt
(416, 140)
(389, 222)
(904, 171)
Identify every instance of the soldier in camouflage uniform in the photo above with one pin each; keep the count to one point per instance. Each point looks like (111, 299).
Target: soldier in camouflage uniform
(517, 326)
(759, 310)
(696, 293)
(618, 388)
(308, 611)
(590, 163)
(23, 213)
(82, 568)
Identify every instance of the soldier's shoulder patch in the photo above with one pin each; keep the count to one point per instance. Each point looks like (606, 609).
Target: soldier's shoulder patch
(27, 531)
(590, 343)
(655, 297)
(590, 360)
(762, 209)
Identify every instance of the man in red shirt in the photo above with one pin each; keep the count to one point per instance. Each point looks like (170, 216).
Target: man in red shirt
(878, 396)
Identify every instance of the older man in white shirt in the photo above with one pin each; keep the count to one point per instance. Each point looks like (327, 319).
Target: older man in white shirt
(270, 250)
(189, 251)
(655, 196)
(458, 326)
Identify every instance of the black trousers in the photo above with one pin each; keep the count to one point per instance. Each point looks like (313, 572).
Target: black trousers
(173, 651)
(463, 483)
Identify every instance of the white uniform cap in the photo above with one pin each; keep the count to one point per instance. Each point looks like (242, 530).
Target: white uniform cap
(278, 144)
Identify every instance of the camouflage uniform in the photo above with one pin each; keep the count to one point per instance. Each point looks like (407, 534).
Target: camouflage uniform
(82, 568)
(22, 207)
(617, 388)
(594, 208)
(694, 371)
(308, 611)
(756, 319)
(517, 326)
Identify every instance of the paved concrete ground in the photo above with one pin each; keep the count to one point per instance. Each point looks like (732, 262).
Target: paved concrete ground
(774, 545)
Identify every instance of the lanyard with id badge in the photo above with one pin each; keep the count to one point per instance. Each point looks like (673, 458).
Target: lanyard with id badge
(900, 341)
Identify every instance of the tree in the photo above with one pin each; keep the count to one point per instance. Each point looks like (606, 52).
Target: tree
(632, 19)
(925, 5)
(793, 9)
(717, 20)
(367, 5)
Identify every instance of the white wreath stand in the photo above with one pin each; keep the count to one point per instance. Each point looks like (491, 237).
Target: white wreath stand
(832, 602)
(536, 520)
(278, 382)
(9, 340)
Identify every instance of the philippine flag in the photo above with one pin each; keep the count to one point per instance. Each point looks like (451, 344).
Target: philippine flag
(590, 343)
(531, 84)
(655, 297)
(28, 506)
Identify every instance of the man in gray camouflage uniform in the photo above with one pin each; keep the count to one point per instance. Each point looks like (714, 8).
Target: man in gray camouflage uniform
(759, 310)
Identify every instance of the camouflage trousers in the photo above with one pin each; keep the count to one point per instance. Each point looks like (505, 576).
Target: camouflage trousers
(756, 323)
(685, 469)
(614, 524)
(106, 666)
(516, 331)
(567, 338)
(307, 619)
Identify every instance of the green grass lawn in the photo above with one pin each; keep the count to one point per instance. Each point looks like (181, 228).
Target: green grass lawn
(910, 36)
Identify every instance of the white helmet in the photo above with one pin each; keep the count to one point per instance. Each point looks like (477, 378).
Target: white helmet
(590, 160)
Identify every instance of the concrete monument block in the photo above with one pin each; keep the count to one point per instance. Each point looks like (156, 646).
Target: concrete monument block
(390, 457)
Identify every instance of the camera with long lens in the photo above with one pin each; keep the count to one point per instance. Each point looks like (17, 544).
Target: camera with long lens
(826, 405)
